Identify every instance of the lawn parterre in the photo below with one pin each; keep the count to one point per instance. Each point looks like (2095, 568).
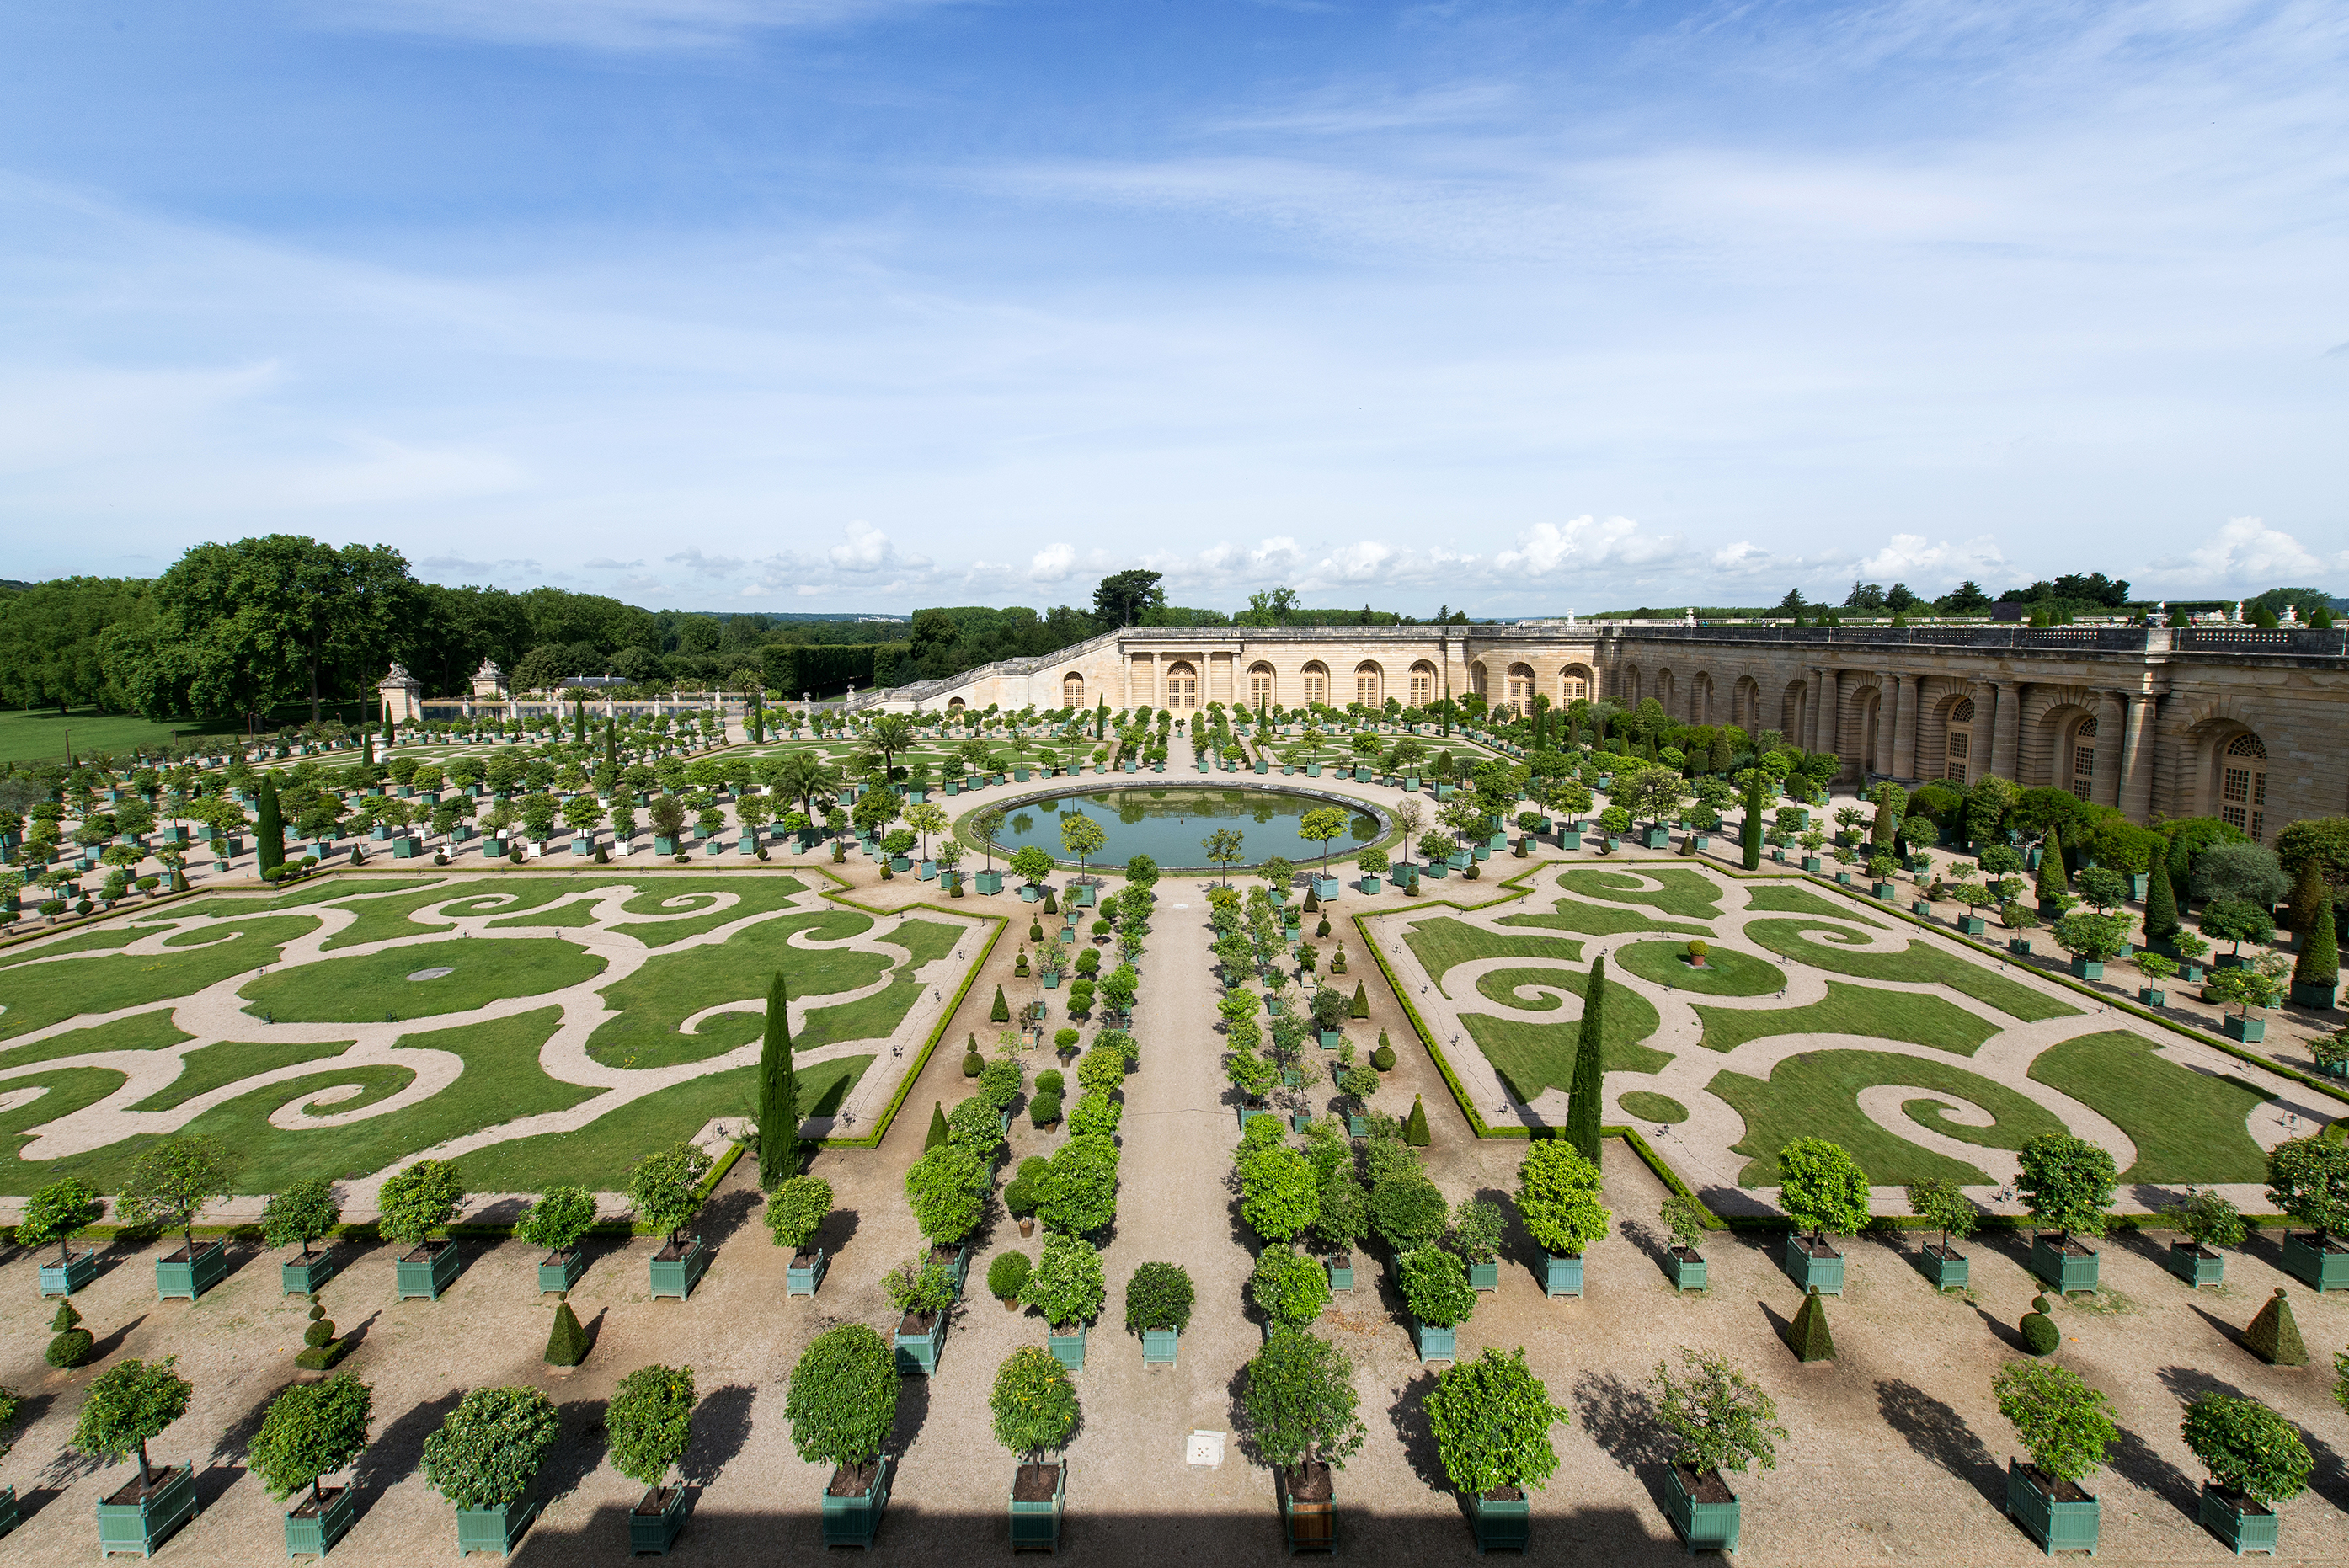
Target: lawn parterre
(530, 1026)
(1811, 1016)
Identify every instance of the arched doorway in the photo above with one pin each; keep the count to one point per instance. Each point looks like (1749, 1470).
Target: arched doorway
(1317, 685)
(1520, 697)
(1370, 685)
(1422, 684)
(1260, 685)
(1073, 690)
(1182, 684)
(2243, 785)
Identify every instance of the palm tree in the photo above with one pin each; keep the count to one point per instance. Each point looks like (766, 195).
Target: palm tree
(802, 775)
(892, 735)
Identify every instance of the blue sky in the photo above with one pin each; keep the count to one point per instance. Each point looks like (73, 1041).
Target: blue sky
(798, 305)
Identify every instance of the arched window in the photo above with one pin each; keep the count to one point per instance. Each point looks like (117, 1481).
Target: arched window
(954, 705)
(2243, 785)
(1317, 685)
(1260, 685)
(1574, 685)
(2082, 781)
(1182, 686)
(1369, 685)
(1521, 687)
(1422, 684)
(1477, 680)
(1959, 755)
(1073, 690)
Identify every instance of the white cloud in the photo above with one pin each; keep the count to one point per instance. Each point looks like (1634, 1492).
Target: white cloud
(866, 549)
(1908, 557)
(1585, 543)
(2245, 554)
(1052, 564)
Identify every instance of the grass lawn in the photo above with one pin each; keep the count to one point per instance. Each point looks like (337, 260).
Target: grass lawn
(1920, 963)
(877, 1016)
(140, 1032)
(376, 985)
(38, 995)
(1531, 1057)
(1815, 1095)
(1784, 900)
(598, 1155)
(1602, 920)
(1861, 1010)
(1443, 943)
(36, 734)
(661, 994)
(502, 1080)
(1650, 1105)
(225, 1061)
(1725, 973)
(1688, 894)
(2187, 1126)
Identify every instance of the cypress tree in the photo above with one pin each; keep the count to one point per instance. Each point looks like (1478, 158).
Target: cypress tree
(612, 745)
(2273, 1336)
(779, 1094)
(1751, 837)
(1414, 1128)
(2052, 880)
(367, 748)
(2309, 894)
(2160, 906)
(937, 1134)
(1583, 1100)
(269, 827)
(1001, 1012)
(1807, 1335)
(2320, 953)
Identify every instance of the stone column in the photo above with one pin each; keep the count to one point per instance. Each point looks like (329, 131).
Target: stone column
(2112, 719)
(2137, 761)
(2007, 736)
(1904, 727)
(1823, 711)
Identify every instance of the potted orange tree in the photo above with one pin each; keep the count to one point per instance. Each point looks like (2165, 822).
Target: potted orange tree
(555, 1220)
(665, 1186)
(58, 1212)
(841, 1401)
(2211, 1220)
(1491, 1418)
(1068, 1288)
(1823, 1190)
(2256, 1460)
(311, 1430)
(1720, 1419)
(1158, 1301)
(1302, 1419)
(415, 1202)
(1557, 1198)
(1939, 1204)
(2063, 1428)
(170, 1184)
(484, 1459)
(650, 1421)
(2067, 1185)
(2308, 1178)
(128, 1405)
(796, 1212)
(1035, 1409)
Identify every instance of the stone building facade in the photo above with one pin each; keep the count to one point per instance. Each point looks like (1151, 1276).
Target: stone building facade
(2248, 725)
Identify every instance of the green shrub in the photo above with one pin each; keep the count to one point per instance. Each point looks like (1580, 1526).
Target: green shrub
(998, 1084)
(1158, 1295)
(1559, 1196)
(651, 1422)
(128, 1404)
(73, 1343)
(1414, 1129)
(559, 1217)
(1050, 1081)
(1008, 1275)
(490, 1446)
(2040, 1335)
(566, 1340)
(1034, 1403)
(797, 1210)
(1300, 1405)
(843, 1397)
(1384, 1058)
(1823, 1190)
(419, 1199)
(2247, 1449)
(1001, 1012)
(1043, 1111)
(2066, 1183)
(1435, 1287)
(1067, 1285)
(2060, 1420)
(1288, 1287)
(1491, 1418)
(1807, 1337)
(2273, 1336)
(1063, 1041)
(312, 1430)
(1407, 1212)
(1719, 1418)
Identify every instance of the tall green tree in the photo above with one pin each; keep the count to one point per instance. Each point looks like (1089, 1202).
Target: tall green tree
(1750, 835)
(779, 1095)
(1585, 1106)
(269, 827)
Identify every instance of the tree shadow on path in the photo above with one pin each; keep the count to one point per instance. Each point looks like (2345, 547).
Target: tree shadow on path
(1935, 1431)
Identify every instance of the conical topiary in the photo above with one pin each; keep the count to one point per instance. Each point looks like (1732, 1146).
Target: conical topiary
(1312, 900)
(1414, 1129)
(73, 1343)
(2309, 894)
(567, 1341)
(2273, 1336)
(1001, 1012)
(2040, 1335)
(2053, 879)
(1052, 903)
(1362, 1008)
(2160, 905)
(1807, 1335)
(937, 1127)
(2320, 951)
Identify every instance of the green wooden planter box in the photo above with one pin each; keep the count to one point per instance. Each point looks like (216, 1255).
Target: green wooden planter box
(2087, 968)
(1330, 1039)
(1688, 1273)
(1658, 838)
(2241, 1524)
(141, 1526)
(988, 882)
(302, 1276)
(958, 1266)
(497, 1528)
(1158, 1346)
(2056, 1526)
(64, 1278)
(1884, 890)
(2314, 994)
(2063, 1272)
(2019, 946)
(561, 1270)
(1950, 1270)
(2249, 1031)
(8, 1511)
(2319, 1270)
(917, 1351)
(1067, 1349)
(313, 1533)
(2152, 995)
(1702, 1526)
(1306, 1526)
(1481, 1276)
(1341, 1275)
(1807, 1271)
(655, 1530)
(1036, 1526)
(428, 1274)
(193, 1274)
(1501, 1524)
(1972, 924)
(801, 1279)
(854, 1521)
(2198, 1266)
(676, 1277)
(1436, 1344)
(1811, 863)
(1561, 1275)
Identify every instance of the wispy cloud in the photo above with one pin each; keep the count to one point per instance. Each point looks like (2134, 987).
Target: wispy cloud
(614, 25)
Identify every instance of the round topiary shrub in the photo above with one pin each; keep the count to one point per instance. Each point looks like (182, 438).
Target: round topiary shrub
(73, 1343)
(1007, 1276)
(1696, 952)
(973, 1064)
(2040, 1335)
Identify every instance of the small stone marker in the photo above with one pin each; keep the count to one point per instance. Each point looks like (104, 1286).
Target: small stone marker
(432, 973)
(1204, 1449)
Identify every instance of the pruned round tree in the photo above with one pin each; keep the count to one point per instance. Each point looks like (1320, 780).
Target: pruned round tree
(1822, 1187)
(127, 1407)
(487, 1451)
(1034, 1404)
(301, 1215)
(417, 1200)
(558, 1218)
(796, 1211)
(172, 1181)
(1558, 1194)
(843, 1397)
(1300, 1403)
(665, 1186)
(1067, 1283)
(2066, 1183)
(651, 1422)
(1491, 1418)
(2060, 1421)
(58, 1212)
(2307, 1178)
(311, 1430)
(1281, 1193)
(1157, 1295)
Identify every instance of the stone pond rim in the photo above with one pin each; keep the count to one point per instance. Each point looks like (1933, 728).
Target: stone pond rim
(1369, 824)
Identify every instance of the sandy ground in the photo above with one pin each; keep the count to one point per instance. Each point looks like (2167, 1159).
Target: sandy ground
(1895, 1451)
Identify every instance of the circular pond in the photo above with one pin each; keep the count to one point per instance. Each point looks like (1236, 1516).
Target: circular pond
(1171, 824)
